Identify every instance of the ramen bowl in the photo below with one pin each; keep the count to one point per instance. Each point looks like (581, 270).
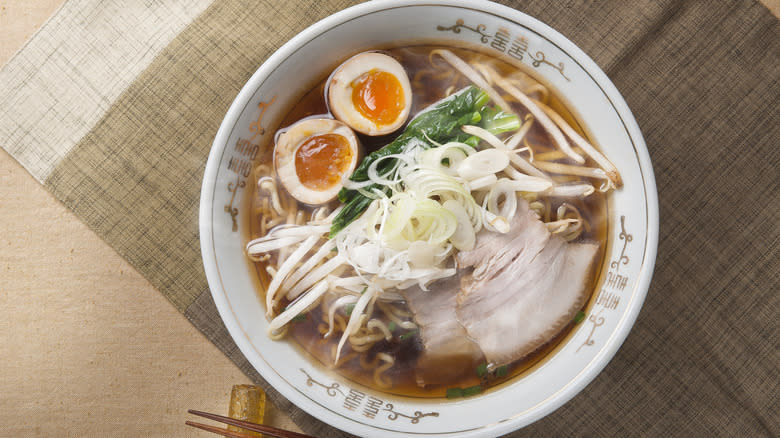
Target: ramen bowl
(248, 129)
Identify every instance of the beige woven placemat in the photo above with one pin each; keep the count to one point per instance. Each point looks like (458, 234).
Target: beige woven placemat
(113, 107)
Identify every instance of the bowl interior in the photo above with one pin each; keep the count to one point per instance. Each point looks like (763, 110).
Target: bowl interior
(498, 31)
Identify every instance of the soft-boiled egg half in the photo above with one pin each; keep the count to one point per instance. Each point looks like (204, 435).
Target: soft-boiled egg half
(371, 93)
(313, 156)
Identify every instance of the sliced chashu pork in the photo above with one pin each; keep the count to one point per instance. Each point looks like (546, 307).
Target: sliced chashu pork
(526, 286)
(448, 352)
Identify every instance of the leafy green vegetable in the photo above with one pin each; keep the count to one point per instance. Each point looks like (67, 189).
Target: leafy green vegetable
(482, 370)
(356, 204)
(441, 124)
(497, 121)
(391, 326)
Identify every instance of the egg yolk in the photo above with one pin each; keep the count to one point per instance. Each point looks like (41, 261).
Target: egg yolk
(378, 96)
(321, 160)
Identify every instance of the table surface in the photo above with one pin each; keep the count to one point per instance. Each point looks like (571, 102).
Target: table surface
(85, 337)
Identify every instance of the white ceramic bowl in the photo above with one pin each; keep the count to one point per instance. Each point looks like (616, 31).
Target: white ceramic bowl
(501, 32)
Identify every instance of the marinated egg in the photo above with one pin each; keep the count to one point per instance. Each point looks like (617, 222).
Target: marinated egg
(312, 158)
(371, 93)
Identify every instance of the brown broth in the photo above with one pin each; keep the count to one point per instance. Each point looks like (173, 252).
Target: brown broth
(427, 89)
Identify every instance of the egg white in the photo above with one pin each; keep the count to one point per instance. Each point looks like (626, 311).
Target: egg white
(339, 92)
(287, 144)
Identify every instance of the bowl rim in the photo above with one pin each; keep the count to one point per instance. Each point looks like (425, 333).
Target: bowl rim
(245, 95)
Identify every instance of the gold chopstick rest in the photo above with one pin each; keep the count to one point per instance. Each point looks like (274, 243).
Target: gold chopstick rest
(247, 402)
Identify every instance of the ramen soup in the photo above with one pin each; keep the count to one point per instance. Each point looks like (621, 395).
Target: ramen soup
(429, 222)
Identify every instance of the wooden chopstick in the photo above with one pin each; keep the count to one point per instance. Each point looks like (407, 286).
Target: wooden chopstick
(268, 430)
(220, 431)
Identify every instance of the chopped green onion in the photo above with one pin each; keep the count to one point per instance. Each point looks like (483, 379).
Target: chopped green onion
(348, 308)
(454, 392)
(408, 335)
(472, 390)
(391, 326)
(482, 370)
(579, 317)
(464, 392)
(501, 371)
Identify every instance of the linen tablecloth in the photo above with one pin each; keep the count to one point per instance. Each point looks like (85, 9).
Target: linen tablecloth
(113, 107)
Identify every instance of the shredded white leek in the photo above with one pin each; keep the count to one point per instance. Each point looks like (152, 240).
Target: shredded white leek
(483, 163)
(503, 190)
(464, 237)
(485, 182)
